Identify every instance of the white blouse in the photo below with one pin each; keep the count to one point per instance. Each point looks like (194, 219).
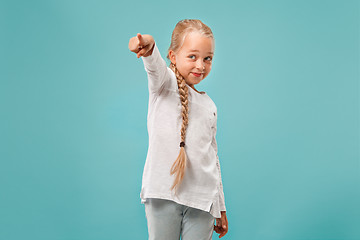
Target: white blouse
(201, 187)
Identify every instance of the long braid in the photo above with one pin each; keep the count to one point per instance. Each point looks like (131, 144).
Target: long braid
(182, 29)
(179, 165)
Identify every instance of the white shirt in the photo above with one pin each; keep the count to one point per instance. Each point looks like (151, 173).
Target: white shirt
(201, 187)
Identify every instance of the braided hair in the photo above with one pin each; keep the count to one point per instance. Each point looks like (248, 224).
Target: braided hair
(181, 30)
(179, 165)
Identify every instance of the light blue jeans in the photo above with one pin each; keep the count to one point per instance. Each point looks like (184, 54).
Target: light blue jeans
(167, 220)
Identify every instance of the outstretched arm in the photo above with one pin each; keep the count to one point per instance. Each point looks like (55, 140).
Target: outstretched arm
(155, 66)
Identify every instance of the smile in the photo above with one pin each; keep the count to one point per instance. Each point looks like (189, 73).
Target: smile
(197, 74)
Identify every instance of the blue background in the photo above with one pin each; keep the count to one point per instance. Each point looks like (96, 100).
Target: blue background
(73, 99)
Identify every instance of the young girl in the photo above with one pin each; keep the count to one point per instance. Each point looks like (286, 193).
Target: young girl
(181, 188)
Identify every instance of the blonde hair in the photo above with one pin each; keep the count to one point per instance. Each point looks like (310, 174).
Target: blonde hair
(181, 30)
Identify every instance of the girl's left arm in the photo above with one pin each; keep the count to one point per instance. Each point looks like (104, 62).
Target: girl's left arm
(222, 222)
(214, 144)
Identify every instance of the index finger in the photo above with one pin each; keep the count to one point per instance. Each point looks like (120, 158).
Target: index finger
(141, 39)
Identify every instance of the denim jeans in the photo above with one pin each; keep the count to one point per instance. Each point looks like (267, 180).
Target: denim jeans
(168, 220)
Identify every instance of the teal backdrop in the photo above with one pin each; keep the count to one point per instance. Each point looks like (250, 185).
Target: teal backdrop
(73, 99)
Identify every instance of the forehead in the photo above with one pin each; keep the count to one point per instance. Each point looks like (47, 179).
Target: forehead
(195, 42)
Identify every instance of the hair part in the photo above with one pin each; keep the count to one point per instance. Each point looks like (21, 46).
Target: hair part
(181, 30)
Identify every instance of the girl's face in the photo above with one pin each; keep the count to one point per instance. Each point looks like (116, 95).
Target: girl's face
(193, 60)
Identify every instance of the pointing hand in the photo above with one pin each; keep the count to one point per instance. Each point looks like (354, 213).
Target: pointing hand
(142, 45)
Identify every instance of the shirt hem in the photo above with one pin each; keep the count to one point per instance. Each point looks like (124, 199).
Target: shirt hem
(189, 204)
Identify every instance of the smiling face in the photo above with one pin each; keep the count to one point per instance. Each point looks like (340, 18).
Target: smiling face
(193, 60)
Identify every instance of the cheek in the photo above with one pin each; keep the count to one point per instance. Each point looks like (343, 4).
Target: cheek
(188, 67)
(185, 65)
(188, 64)
(184, 70)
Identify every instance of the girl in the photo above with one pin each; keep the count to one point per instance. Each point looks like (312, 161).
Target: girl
(181, 188)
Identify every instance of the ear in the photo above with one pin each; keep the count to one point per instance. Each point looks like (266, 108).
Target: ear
(172, 56)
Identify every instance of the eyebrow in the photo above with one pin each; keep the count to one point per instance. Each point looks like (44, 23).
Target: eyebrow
(198, 51)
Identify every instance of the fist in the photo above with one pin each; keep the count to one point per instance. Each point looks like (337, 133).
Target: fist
(222, 225)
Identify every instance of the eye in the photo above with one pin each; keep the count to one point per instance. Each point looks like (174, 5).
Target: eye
(210, 58)
(191, 56)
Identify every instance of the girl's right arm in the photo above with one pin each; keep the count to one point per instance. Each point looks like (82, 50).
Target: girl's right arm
(155, 66)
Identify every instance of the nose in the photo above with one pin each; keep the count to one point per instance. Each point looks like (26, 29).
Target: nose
(200, 64)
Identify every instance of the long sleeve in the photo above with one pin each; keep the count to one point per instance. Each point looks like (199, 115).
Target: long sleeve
(221, 190)
(156, 69)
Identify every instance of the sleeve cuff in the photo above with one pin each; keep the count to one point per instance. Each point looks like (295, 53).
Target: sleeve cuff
(222, 200)
(151, 63)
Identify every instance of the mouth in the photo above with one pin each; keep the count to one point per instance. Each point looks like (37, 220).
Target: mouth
(197, 74)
